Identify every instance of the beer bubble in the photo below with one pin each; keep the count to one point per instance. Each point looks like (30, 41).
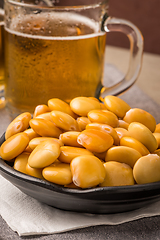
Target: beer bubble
(22, 27)
(37, 27)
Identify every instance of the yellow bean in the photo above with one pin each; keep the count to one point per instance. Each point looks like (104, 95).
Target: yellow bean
(101, 155)
(68, 153)
(45, 128)
(144, 135)
(157, 130)
(117, 174)
(157, 151)
(71, 185)
(116, 105)
(106, 128)
(157, 137)
(28, 149)
(70, 138)
(82, 122)
(82, 105)
(64, 121)
(21, 162)
(103, 107)
(92, 133)
(40, 109)
(31, 133)
(58, 173)
(141, 116)
(45, 116)
(123, 154)
(44, 154)
(14, 146)
(122, 132)
(87, 171)
(35, 172)
(59, 105)
(19, 124)
(123, 124)
(147, 169)
(36, 141)
(134, 143)
(103, 116)
(95, 140)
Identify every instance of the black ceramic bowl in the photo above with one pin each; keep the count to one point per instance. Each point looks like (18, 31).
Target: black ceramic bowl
(96, 200)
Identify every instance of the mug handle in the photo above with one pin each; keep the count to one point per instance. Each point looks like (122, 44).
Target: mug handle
(1, 14)
(136, 52)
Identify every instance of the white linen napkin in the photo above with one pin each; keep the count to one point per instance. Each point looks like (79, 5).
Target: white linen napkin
(28, 216)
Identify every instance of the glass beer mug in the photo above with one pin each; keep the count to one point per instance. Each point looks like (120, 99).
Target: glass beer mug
(56, 50)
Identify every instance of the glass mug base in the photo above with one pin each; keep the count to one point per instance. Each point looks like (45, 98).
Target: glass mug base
(2, 102)
(2, 98)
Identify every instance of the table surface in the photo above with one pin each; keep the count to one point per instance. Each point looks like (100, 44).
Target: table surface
(149, 78)
(146, 228)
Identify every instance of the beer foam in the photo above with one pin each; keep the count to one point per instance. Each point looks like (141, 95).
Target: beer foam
(54, 16)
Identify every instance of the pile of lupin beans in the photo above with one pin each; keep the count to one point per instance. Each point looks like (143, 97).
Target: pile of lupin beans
(85, 144)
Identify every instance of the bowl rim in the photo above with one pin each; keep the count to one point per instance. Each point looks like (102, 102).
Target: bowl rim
(6, 169)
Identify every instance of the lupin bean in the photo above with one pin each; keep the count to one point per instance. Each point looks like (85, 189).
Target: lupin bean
(59, 173)
(157, 137)
(117, 174)
(122, 132)
(144, 135)
(64, 121)
(116, 105)
(157, 130)
(20, 162)
(82, 122)
(141, 116)
(69, 153)
(14, 146)
(106, 128)
(31, 133)
(59, 105)
(103, 116)
(44, 128)
(35, 172)
(87, 171)
(45, 116)
(40, 109)
(70, 138)
(134, 143)
(123, 124)
(82, 105)
(36, 141)
(95, 140)
(147, 169)
(44, 154)
(123, 154)
(19, 124)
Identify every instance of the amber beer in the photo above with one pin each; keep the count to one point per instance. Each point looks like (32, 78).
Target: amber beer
(62, 59)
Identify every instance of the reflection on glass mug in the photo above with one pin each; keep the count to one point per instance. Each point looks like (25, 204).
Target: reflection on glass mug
(56, 50)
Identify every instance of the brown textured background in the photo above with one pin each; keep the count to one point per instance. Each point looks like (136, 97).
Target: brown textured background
(145, 14)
